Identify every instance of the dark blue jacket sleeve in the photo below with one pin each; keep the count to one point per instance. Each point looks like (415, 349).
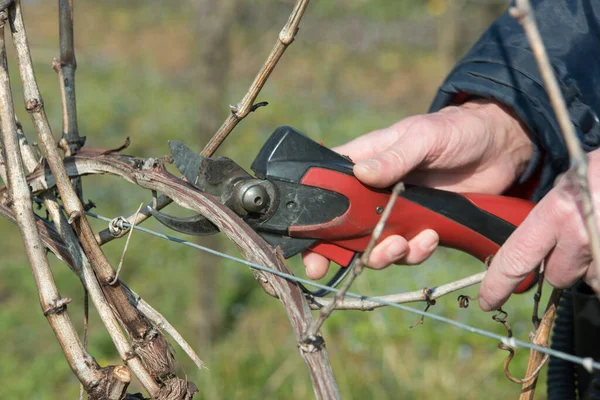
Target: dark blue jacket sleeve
(501, 66)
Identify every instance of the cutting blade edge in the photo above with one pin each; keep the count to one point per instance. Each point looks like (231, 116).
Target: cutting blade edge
(186, 160)
(196, 225)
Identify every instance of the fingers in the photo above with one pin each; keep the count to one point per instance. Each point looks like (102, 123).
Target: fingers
(384, 156)
(520, 255)
(366, 146)
(316, 265)
(369, 145)
(421, 247)
(388, 167)
(553, 230)
(392, 249)
(567, 262)
(414, 143)
(396, 250)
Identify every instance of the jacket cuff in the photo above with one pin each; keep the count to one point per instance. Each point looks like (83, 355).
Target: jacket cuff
(512, 78)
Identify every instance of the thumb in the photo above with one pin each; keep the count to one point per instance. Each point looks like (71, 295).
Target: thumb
(388, 167)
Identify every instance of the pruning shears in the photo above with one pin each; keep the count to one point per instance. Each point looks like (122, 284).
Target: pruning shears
(304, 196)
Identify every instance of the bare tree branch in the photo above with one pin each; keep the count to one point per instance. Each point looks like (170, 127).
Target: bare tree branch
(70, 142)
(244, 107)
(523, 12)
(121, 376)
(238, 112)
(81, 266)
(540, 338)
(53, 305)
(409, 297)
(160, 321)
(75, 258)
(137, 326)
(55, 244)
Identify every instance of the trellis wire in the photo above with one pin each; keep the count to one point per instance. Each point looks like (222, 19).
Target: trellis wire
(588, 363)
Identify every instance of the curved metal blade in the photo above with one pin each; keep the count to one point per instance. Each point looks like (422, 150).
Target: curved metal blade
(196, 225)
(186, 160)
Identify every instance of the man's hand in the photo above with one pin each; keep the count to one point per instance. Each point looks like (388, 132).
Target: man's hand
(555, 231)
(479, 146)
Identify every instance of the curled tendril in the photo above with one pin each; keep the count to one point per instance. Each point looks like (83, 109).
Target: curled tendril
(464, 300)
(430, 302)
(501, 316)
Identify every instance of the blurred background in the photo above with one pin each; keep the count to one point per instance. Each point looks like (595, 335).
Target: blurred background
(156, 70)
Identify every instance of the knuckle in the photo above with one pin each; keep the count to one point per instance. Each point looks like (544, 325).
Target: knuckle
(564, 210)
(426, 123)
(432, 132)
(563, 206)
(559, 279)
(566, 264)
(582, 240)
(515, 265)
(427, 128)
(397, 158)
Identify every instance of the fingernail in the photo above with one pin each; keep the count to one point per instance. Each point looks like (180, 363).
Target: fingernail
(429, 240)
(395, 251)
(369, 166)
(484, 305)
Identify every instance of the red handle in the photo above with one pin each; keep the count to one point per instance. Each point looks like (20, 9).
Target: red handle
(477, 224)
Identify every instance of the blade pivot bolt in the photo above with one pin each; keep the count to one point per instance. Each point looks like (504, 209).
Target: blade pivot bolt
(254, 198)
